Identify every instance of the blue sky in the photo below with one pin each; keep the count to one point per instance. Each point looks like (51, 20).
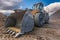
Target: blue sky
(29, 3)
(14, 4)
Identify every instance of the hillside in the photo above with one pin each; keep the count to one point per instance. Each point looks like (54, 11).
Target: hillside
(2, 18)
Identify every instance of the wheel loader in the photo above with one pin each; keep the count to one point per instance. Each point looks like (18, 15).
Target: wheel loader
(24, 21)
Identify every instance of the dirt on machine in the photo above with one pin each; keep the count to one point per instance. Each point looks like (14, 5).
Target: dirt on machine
(24, 21)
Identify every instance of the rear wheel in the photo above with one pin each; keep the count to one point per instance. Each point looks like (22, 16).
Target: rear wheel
(46, 18)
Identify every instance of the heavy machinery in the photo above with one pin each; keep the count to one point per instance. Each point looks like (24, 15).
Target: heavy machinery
(23, 21)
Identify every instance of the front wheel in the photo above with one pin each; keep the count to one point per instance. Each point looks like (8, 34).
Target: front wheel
(39, 19)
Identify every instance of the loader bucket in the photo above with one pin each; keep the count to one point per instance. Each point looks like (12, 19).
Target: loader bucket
(19, 23)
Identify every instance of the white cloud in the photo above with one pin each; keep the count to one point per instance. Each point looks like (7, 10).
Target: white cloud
(8, 4)
(52, 8)
(7, 12)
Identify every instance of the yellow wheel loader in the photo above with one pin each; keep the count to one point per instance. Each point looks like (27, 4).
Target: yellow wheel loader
(23, 21)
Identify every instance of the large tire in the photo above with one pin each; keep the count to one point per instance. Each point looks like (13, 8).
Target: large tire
(46, 18)
(39, 19)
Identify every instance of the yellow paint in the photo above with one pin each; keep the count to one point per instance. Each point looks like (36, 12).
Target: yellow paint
(34, 12)
(17, 30)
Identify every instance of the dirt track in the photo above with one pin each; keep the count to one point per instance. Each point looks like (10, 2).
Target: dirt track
(49, 31)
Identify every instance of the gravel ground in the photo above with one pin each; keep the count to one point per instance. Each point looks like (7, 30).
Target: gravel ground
(50, 31)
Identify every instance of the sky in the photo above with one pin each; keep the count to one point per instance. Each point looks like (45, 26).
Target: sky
(22, 4)
(29, 3)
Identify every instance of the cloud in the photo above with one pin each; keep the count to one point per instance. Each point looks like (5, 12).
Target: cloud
(52, 8)
(7, 12)
(9, 4)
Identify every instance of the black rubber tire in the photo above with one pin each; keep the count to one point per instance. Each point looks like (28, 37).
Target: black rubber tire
(47, 19)
(39, 19)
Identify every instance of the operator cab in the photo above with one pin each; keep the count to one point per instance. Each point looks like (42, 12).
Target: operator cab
(38, 6)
